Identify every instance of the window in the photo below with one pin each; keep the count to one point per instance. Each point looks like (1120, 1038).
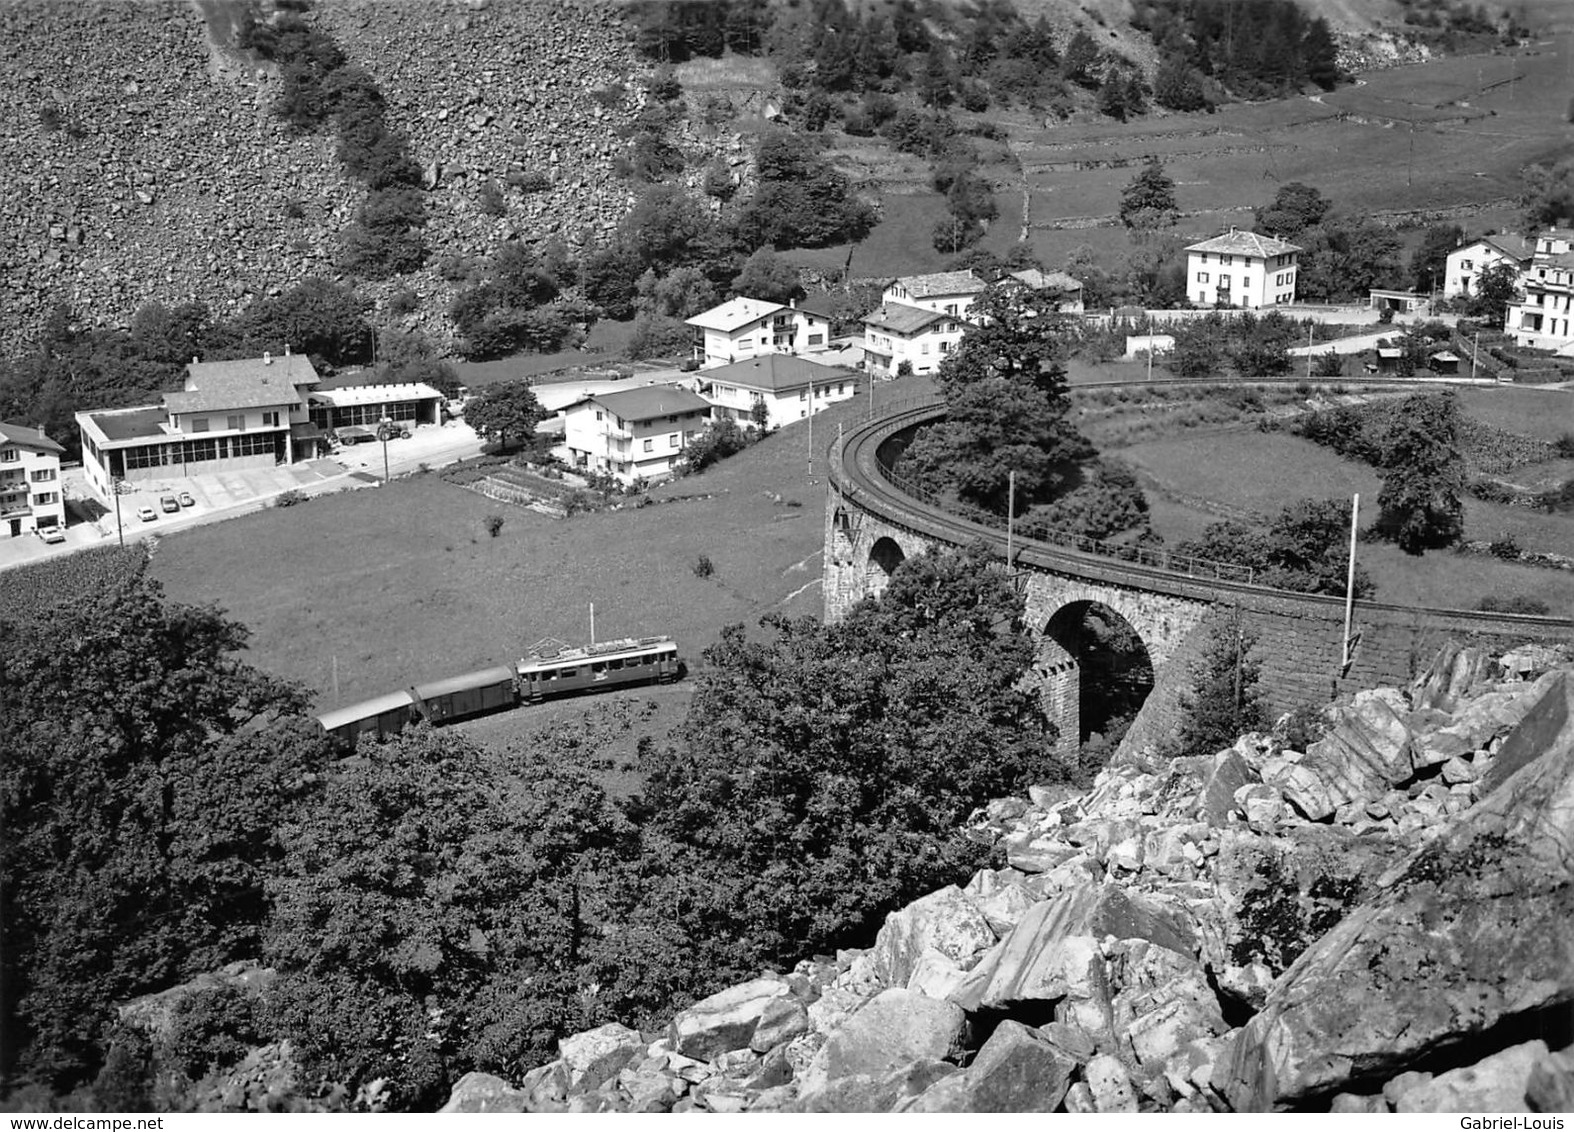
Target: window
(1203, 258)
(599, 414)
(673, 419)
(803, 395)
(271, 418)
(8, 456)
(1224, 282)
(924, 349)
(1464, 265)
(816, 339)
(945, 347)
(235, 421)
(199, 424)
(650, 445)
(672, 441)
(841, 386)
(45, 497)
(950, 308)
(1202, 276)
(43, 475)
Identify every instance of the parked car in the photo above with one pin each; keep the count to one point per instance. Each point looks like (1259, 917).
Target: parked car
(51, 535)
(146, 514)
(169, 503)
(186, 500)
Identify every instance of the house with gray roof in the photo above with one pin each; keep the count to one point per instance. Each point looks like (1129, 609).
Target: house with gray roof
(30, 494)
(1241, 269)
(744, 328)
(633, 433)
(900, 335)
(944, 292)
(1462, 274)
(228, 416)
(780, 387)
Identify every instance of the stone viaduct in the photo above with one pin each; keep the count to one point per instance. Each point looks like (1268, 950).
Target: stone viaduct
(872, 525)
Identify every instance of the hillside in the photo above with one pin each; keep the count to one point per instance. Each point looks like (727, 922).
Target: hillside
(150, 168)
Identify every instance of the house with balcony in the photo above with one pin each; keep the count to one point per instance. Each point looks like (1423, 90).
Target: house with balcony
(31, 498)
(1241, 269)
(1462, 272)
(229, 416)
(632, 433)
(744, 328)
(944, 292)
(1543, 317)
(917, 337)
(788, 388)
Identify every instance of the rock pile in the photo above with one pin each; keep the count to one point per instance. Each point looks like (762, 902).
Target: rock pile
(149, 167)
(1377, 922)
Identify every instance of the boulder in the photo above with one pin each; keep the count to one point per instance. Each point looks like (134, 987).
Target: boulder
(935, 975)
(1017, 1070)
(1551, 1084)
(482, 1092)
(1545, 730)
(1048, 956)
(893, 1029)
(945, 920)
(1473, 726)
(781, 1020)
(1471, 931)
(1493, 1084)
(1357, 1103)
(1229, 773)
(868, 1092)
(1365, 750)
(1004, 907)
(1110, 1085)
(1456, 673)
(724, 1021)
(600, 1054)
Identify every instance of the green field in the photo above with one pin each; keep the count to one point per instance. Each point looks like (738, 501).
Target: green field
(403, 584)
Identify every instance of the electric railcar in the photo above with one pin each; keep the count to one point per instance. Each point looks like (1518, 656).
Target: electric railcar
(559, 671)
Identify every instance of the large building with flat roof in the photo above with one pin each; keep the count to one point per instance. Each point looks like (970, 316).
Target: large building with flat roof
(229, 416)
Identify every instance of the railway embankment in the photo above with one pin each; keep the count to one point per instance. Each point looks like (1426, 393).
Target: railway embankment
(1374, 920)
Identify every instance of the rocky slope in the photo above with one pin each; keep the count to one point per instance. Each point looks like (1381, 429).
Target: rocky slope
(1378, 922)
(146, 166)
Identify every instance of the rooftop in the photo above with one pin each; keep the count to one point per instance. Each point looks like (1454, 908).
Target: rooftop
(1236, 242)
(774, 372)
(27, 437)
(734, 314)
(130, 424)
(245, 383)
(942, 283)
(1058, 280)
(1510, 244)
(648, 401)
(903, 319)
(374, 394)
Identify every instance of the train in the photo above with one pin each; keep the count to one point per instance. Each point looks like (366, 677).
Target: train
(551, 670)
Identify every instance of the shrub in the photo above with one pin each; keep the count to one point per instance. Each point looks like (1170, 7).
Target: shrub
(490, 199)
(1505, 546)
(493, 524)
(290, 498)
(529, 181)
(49, 118)
(1515, 603)
(212, 1029)
(403, 302)
(703, 568)
(1564, 446)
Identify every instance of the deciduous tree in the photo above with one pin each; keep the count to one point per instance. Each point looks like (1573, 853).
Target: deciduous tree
(506, 409)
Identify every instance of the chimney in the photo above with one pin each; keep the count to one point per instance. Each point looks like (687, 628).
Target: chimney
(286, 349)
(267, 358)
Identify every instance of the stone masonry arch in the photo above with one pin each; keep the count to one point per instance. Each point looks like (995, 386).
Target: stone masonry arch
(884, 557)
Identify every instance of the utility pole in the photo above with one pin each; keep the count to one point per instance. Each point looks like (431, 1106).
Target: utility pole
(1475, 350)
(1349, 585)
(592, 622)
(1310, 325)
(811, 430)
(1011, 519)
(120, 531)
(382, 434)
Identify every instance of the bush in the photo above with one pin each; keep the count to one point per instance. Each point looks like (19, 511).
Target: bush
(703, 568)
(493, 524)
(1564, 446)
(1515, 603)
(212, 1030)
(1505, 546)
(403, 302)
(290, 498)
(490, 200)
(528, 181)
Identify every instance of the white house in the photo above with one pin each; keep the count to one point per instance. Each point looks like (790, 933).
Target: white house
(944, 292)
(744, 328)
(30, 495)
(1467, 262)
(632, 433)
(897, 334)
(231, 416)
(1241, 269)
(1543, 318)
(1069, 287)
(789, 388)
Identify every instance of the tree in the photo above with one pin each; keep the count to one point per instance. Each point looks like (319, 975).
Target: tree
(767, 276)
(144, 774)
(1295, 208)
(660, 227)
(1149, 200)
(822, 774)
(1199, 347)
(1303, 548)
(1429, 262)
(1259, 347)
(720, 439)
(659, 336)
(1422, 500)
(1496, 287)
(506, 409)
(1346, 259)
(1223, 703)
(1080, 62)
(800, 200)
(315, 317)
(1547, 192)
(1175, 87)
(1320, 54)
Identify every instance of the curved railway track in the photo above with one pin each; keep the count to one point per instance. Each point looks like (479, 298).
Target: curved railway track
(858, 474)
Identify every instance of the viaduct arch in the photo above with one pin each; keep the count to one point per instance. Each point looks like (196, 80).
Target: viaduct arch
(872, 524)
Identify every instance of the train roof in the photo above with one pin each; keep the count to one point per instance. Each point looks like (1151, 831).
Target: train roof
(485, 678)
(543, 654)
(338, 717)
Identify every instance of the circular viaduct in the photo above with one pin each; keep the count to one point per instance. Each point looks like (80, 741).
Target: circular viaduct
(872, 525)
